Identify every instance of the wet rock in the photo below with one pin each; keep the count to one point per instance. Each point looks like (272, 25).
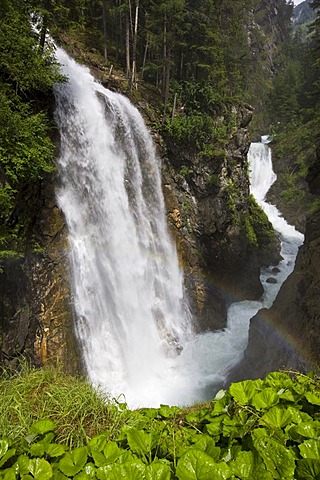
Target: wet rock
(271, 280)
(288, 334)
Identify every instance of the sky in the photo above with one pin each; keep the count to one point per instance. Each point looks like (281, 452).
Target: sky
(296, 2)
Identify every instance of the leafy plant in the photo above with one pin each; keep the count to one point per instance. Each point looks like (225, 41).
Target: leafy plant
(257, 430)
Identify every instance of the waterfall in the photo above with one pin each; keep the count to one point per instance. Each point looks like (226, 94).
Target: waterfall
(132, 319)
(131, 315)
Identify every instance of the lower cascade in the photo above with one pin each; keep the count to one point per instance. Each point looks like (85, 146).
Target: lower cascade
(132, 317)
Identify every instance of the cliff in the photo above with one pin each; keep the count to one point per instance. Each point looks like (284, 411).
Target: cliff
(287, 335)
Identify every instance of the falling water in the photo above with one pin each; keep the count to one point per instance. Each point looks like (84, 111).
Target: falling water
(131, 316)
(132, 319)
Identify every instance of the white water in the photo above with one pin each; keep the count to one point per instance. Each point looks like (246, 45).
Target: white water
(131, 316)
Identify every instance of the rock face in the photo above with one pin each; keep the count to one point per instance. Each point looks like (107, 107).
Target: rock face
(35, 293)
(208, 207)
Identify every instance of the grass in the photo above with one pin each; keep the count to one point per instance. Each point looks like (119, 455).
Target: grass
(78, 410)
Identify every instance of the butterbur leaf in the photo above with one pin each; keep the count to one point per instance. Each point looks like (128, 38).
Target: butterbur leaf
(37, 450)
(243, 392)
(308, 469)
(215, 426)
(276, 417)
(40, 469)
(23, 464)
(157, 471)
(55, 449)
(169, 412)
(43, 426)
(310, 449)
(265, 399)
(99, 458)
(87, 474)
(10, 475)
(197, 465)
(150, 412)
(313, 398)
(98, 442)
(308, 429)
(278, 459)
(139, 441)
(59, 476)
(4, 445)
(10, 453)
(112, 452)
(126, 471)
(243, 465)
(206, 444)
(73, 462)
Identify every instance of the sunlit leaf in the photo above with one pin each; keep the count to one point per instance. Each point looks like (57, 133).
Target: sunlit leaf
(73, 462)
(197, 465)
(43, 426)
(40, 469)
(310, 449)
(244, 391)
(276, 417)
(265, 399)
(279, 461)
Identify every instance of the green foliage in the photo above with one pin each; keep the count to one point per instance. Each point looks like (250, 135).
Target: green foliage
(258, 430)
(27, 76)
(257, 227)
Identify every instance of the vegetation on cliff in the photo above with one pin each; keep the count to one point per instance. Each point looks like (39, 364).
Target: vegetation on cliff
(58, 427)
(27, 76)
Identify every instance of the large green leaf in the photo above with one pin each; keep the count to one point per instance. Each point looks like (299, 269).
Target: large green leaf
(243, 465)
(73, 462)
(43, 426)
(9, 454)
(215, 426)
(276, 417)
(40, 469)
(10, 475)
(139, 441)
(265, 399)
(126, 471)
(37, 449)
(55, 449)
(88, 473)
(197, 465)
(207, 444)
(169, 412)
(157, 471)
(308, 469)
(279, 461)
(244, 391)
(112, 452)
(310, 449)
(313, 397)
(98, 442)
(4, 445)
(306, 429)
(22, 464)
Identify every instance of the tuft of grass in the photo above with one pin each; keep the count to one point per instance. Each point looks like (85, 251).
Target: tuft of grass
(79, 410)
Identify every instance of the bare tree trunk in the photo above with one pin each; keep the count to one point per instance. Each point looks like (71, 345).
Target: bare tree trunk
(104, 18)
(134, 49)
(128, 68)
(145, 56)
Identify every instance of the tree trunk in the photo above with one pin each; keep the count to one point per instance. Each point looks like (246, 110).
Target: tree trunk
(128, 68)
(104, 18)
(134, 49)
